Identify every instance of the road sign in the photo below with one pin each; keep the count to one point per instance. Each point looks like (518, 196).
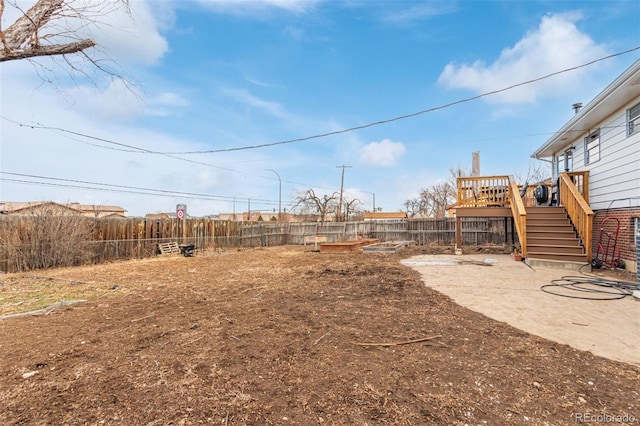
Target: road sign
(181, 211)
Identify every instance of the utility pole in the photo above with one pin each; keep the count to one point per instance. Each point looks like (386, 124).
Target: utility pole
(339, 215)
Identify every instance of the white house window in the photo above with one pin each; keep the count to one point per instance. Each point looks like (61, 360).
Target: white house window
(633, 120)
(592, 147)
(564, 162)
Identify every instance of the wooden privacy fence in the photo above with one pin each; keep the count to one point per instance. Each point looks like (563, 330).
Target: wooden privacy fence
(36, 242)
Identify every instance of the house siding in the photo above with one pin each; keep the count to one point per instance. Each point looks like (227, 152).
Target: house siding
(614, 183)
(614, 180)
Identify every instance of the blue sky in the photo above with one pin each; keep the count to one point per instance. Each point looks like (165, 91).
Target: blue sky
(205, 75)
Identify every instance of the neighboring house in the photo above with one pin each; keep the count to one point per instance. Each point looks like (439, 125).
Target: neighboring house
(53, 208)
(37, 208)
(231, 216)
(95, 210)
(603, 138)
(382, 216)
(256, 216)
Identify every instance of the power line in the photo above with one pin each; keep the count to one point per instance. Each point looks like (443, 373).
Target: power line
(134, 149)
(414, 114)
(333, 133)
(25, 175)
(27, 182)
(122, 188)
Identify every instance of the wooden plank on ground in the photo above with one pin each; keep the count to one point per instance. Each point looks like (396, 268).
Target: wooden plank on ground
(388, 247)
(347, 246)
(314, 239)
(169, 248)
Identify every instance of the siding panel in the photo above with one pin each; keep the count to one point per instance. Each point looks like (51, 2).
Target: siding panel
(616, 175)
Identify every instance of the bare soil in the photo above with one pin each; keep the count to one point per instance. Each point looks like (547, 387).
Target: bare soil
(284, 336)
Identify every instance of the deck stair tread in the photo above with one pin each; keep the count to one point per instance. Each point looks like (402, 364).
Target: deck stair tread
(551, 236)
(553, 241)
(558, 256)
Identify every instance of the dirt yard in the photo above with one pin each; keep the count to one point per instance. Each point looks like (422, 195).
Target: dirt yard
(283, 336)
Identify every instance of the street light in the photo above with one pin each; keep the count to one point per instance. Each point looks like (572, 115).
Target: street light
(279, 193)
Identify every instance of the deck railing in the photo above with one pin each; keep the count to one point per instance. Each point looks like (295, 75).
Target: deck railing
(495, 191)
(574, 193)
(519, 214)
(484, 191)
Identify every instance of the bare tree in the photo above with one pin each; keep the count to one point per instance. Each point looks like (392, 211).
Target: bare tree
(434, 200)
(312, 205)
(52, 28)
(351, 207)
(412, 207)
(538, 171)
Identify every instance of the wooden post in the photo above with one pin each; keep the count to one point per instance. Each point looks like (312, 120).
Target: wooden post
(458, 232)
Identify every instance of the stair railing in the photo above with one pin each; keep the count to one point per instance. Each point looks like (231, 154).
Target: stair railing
(577, 207)
(519, 214)
(581, 181)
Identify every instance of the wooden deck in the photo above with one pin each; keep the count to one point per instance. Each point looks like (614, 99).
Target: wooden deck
(499, 196)
(483, 212)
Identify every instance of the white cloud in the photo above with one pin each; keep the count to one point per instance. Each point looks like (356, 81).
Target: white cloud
(133, 37)
(123, 102)
(419, 12)
(246, 98)
(116, 101)
(556, 44)
(56, 154)
(162, 104)
(250, 6)
(384, 153)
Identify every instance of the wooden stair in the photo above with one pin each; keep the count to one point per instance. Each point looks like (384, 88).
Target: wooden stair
(551, 236)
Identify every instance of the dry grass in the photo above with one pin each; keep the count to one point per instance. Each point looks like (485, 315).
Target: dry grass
(29, 292)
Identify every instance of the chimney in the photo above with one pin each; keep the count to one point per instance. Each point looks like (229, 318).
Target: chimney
(577, 106)
(475, 163)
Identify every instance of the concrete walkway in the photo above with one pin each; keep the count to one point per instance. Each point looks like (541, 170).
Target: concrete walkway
(509, 291)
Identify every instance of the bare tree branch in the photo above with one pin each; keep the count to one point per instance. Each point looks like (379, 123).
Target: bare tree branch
(26, 27)
(41, 30)
(51, 50)
(351, 207)
(316, 206)
(434, 200)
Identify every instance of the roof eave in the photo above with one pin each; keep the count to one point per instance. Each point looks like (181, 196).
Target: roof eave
(583, 119)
